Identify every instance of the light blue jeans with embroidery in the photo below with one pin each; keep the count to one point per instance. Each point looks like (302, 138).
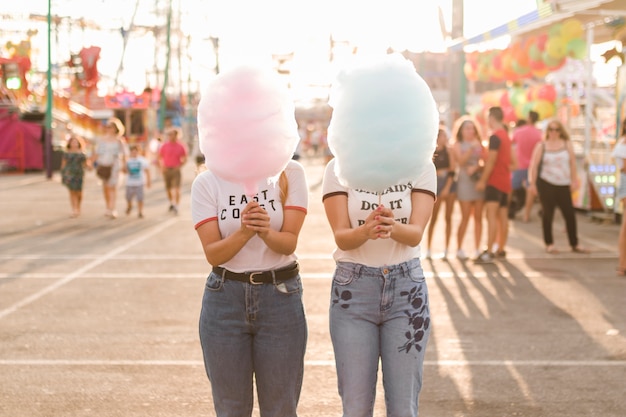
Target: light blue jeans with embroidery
(253, 331)
(379, 314)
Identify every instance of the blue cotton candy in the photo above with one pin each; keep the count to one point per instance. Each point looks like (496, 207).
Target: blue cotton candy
(383, 130)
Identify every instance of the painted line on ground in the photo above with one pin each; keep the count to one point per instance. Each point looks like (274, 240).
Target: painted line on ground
(308, 276)
(82, 270)
(312, 363)
(155, 256)
(315, 257)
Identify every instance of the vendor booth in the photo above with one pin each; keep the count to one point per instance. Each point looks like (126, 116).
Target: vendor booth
(550, 50)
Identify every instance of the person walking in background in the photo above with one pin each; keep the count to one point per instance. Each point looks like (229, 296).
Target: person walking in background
(138, 171)
(553, 175)
(525, 138)
(446, 190)
(110, 157)
(172, 156)
(468, 152)
(252, 325)
(73, 164)
(495, 180)
(619, 154)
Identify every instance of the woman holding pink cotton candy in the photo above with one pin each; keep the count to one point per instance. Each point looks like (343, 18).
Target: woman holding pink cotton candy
(378, 193)
(248, 207)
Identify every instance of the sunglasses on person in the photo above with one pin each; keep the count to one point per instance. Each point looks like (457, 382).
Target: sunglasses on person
(554, 129)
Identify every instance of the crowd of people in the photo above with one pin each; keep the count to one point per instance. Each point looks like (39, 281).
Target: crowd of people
(115, 160)
(492, 183)
(252, 325)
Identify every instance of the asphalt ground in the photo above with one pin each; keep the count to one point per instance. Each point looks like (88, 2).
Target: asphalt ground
(98, 317)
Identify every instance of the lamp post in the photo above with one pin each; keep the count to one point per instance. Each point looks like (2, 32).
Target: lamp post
(163, 101)
(48, 121)
(216, 50)
(458, 83)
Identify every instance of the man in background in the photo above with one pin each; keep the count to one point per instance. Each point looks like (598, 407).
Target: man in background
(496, 182)
(172, 156)
(524, 140)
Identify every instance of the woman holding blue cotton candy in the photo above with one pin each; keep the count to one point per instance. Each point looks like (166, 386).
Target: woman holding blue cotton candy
(378, 193)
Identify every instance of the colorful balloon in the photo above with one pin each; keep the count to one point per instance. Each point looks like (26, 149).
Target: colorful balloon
(544, 108)
(572, 29)
(556, 47)
(577, 48)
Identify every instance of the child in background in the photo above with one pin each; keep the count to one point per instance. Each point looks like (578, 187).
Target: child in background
(73, 167)
(138, 170)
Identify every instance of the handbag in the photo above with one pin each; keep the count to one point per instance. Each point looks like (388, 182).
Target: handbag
(104, 172)
(477, 174)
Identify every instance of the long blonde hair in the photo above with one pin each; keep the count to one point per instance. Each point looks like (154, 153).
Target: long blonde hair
(283, 183)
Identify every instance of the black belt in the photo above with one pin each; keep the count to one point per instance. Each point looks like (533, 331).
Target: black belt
(261, 277)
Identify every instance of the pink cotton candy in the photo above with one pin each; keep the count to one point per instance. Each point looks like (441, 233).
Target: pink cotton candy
(247, 126)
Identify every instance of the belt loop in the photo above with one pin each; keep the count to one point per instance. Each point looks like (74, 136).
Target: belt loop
(357, 269)
(223, 274)
(405, 268)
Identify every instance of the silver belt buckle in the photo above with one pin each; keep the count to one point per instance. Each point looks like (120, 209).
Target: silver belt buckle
(251, 278)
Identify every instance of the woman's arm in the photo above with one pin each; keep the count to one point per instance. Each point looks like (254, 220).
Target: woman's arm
(533, 167)
(409, 234)
(461, 157)
(346, 237)
(451, 172)
(574, 181)
(217, 250)
(283, 241)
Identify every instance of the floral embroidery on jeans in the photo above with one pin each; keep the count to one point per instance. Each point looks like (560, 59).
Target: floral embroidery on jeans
(343, 298)
(417, 322)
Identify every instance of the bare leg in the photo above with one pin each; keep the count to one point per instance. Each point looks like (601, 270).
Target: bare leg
(478, 223)
(449, 208)
(528, 204)
(622, 243)
(503, 228)
(491, 214)
(79, 200)
(466, 209)
(433, 220)
(107, 197)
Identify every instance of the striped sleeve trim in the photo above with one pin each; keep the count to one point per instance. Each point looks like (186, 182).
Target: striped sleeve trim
(325, 196)
(200, 223)
(421, 190)
(295, 208)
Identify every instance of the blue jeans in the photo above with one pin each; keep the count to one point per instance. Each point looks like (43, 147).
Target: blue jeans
(379, 313)
(253, 331)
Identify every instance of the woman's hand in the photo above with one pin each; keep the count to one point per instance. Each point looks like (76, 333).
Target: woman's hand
(255, 219)
(383, 222)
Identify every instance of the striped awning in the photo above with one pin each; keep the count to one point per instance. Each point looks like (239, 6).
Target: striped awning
(547, 13)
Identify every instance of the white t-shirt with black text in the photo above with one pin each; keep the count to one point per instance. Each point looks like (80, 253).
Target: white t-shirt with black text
(379, 252)
(215, 199)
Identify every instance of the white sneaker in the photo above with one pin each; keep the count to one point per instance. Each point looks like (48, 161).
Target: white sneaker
(460, 254)
(444, 254)
(484, 258)
(427, 255)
